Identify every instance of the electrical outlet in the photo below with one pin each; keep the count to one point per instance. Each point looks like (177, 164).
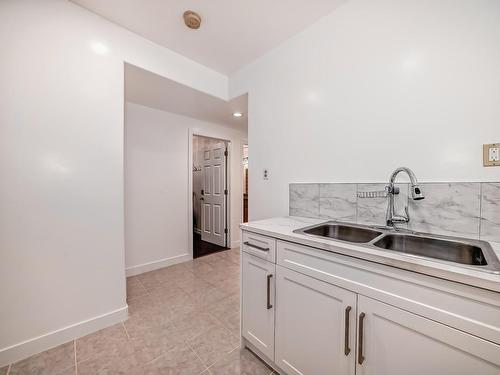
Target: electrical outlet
(491, 155)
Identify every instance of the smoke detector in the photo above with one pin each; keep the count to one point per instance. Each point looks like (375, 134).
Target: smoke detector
(192, 19)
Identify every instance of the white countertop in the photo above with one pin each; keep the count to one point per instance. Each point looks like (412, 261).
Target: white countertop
(283, 227)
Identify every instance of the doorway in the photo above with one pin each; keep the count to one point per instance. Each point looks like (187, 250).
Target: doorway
(210, 195)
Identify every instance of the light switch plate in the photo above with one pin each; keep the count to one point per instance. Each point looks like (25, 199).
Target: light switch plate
(491, 155)
(266, 174)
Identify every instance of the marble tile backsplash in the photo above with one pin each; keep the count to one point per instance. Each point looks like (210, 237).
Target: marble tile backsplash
(337, 201)
(490, 212)
(304, 200)
(465, 209)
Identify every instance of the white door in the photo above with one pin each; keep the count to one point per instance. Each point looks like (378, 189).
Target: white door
(315, 326)
(392, 341)
(258, 294)
(213, 212)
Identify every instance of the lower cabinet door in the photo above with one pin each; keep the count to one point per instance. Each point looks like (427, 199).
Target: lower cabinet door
(315, 326)
(392, 341)
(258, 303)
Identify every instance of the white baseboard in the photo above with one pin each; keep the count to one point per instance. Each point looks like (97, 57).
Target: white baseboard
(151, 266)
(197, 230)
(235, 244)
(60, 336)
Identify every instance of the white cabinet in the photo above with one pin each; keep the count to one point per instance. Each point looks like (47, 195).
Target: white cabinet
(315, 326)
(392, 341)
(258, 297)
(321, 313)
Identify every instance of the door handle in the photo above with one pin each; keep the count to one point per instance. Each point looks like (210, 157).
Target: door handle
(246, 243)
(347, 350)
(269, 306)
(361, 358)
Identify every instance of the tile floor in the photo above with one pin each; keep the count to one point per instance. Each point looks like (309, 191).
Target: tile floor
(183, 319)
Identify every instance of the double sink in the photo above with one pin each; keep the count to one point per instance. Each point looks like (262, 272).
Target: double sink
(465, 253)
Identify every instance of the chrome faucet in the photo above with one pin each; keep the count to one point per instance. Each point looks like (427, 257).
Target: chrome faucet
(416, 193)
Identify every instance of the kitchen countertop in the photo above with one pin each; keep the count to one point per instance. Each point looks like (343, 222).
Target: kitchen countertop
(283, 227)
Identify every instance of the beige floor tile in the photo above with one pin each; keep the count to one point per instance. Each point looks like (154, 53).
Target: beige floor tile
(232, 322)
(51, 362)
(234, 256)
(149, 318)
(205, 298)
(215, 259)
(200, 268)
(155, 278)
(111, 341)
(192, 283)
(135, 288)
(69, 371)
(153, 344)
(240, 362)
(165, 293)
(111, 365)
(230, 286)
(190, 325)
(226, 307)
(214, 344)
(220, 275)
(179, 361)
(181, 303)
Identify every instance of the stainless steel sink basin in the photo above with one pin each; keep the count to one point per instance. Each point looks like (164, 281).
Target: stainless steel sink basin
(342, 232)
(468, 253)
(451, 251)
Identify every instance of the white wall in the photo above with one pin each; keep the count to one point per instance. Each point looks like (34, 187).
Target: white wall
(372, 86)
(157, 196)
(61, 166)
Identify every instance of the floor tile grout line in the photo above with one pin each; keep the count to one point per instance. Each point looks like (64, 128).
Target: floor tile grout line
(191, 348)
(126, 332)
(223, 357)
(76, 363)
(197, 356)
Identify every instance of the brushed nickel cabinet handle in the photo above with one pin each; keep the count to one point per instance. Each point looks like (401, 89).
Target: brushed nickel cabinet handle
(361, 358)
(347, 350)
(255, 246)
(269, 306)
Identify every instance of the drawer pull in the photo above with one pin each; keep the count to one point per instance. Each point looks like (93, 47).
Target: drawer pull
(256, 247)
(347, 350)
(269, 306)
(361, 358)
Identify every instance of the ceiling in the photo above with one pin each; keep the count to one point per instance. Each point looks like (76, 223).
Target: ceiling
(232, 34)
(151, 90)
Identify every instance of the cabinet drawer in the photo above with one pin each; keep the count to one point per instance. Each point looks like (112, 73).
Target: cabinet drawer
(261, 246)
(470, 309)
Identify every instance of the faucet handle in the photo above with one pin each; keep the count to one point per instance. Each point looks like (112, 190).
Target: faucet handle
(391, 189)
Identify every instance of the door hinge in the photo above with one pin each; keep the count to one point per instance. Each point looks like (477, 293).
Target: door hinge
(225, 192)
(225, 230)
(226, 153)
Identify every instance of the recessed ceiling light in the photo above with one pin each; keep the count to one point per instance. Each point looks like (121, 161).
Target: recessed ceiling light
(237, 114)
